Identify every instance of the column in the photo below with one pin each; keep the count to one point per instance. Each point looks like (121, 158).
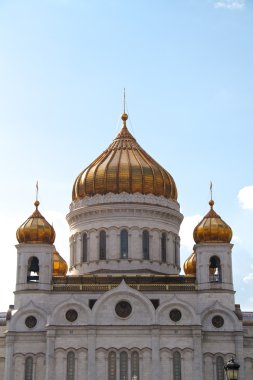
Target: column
(177, 249)
(140, 366)
(155, 353)
(136, 251)
(239, 355)
(113, 244)
(92, 354)
(78, 252)
(170, 366)
(50, 355)
(71, 248)
(155, 246)
(129, 366)
(93, 246)
(9, 356)
(171, 249)
(197, 355)
(117, 365)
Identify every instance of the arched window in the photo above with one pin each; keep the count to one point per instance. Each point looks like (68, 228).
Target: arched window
(29, 368)
(135, 373)
(123, 366)
(85, 250)
(220, 368)
(177, 250)
(102, 245)
(112, 366)
(71, 366)
(145, 245)
(123, 244)
(33, 269)
(215, 269)
(176, 366)
(163, 247)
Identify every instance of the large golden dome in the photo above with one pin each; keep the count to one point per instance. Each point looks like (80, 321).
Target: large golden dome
(124, 167)
(36, 229)
(60, 266)
(212, 229)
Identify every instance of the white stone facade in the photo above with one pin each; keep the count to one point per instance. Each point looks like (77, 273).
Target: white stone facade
(177, 327)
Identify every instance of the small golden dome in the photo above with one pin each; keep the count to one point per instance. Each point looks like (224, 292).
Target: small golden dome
(36, 229)
(124, 167)
(190, 265)
(60, 266)
(212, 229)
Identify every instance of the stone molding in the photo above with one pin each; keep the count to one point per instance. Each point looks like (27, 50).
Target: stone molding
(124, 198)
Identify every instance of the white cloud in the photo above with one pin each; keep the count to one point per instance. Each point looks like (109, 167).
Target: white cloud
(245, 197)
(186, 230)
(248, 278)
(229, 4)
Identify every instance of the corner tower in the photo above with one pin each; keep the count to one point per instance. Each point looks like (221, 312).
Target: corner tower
(35, 249)
(124, 215)
(213, 252)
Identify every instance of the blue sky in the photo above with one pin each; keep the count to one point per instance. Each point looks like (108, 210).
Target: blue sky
(187, 67)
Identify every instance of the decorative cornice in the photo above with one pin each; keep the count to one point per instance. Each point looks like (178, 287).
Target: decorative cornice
(124, 198)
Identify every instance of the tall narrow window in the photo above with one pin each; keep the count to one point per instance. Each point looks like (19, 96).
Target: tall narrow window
(112, 366)
(135, 373)
(215, 269)
(33, 269)
(29, 368)
(71, 366)
(163, 247)
(220, 368)
(102, 245)
(124, 244)
(85, 251)
(123, 366)
(176, 366)
(145, 245)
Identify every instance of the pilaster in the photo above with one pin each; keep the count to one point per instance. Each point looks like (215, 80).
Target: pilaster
(92, 354)
(155, 353)
(50, 355)
(9, 341)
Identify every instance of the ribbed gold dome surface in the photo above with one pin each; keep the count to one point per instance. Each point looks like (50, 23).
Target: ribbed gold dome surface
(36, 229)
(190, 265)
(212, 229)
(60, 266)
(124, 167)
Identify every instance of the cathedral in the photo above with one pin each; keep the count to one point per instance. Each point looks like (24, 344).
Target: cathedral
(121, 310)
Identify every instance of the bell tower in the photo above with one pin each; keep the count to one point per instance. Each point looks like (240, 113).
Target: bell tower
(34, 253)
(213, 252)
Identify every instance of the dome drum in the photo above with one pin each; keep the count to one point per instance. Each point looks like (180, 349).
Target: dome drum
(146, 248)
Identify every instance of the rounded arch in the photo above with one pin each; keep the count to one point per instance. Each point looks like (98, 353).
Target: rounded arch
(231, 320)
(188, 313)
(215, 269)
(59, 314)
(17, 322)
(125, 292)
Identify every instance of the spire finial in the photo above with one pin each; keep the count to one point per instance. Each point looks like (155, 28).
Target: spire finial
(36, 203)
(211, 202)
(124, 101)
(124, 116)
